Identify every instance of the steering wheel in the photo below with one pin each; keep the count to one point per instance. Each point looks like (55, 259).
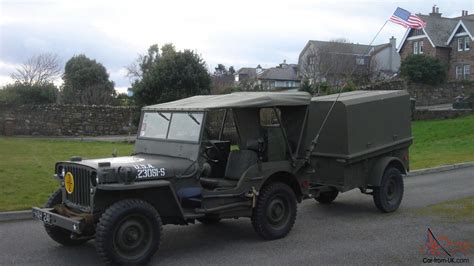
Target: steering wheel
(209, 148)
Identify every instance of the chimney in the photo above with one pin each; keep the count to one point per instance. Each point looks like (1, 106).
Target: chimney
(435, 12)
(393, 42)
(464, 13)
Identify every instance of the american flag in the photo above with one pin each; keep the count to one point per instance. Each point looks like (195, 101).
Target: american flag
(407, 20)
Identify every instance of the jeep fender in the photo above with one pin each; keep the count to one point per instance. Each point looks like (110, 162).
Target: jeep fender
(376, 174)
(159, 193)
(280, 171)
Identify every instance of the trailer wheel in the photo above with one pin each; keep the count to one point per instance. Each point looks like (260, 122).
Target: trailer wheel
(275, 211)
(58, 234)
(327, 196)
(128, 233)
(388, 196)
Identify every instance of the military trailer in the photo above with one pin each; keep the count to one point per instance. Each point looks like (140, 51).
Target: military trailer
(187, 167)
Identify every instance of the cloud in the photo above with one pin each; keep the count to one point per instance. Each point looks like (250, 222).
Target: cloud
(243, 33)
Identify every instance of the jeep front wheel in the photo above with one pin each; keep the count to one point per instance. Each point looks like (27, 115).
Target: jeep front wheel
(388, 196)
(275, 212)
(128, 232)
(58, 234)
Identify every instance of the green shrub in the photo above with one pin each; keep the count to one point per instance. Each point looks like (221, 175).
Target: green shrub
(423, 69)
(19, 93)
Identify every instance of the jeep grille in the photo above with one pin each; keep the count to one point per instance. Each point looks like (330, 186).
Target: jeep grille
(80, 197)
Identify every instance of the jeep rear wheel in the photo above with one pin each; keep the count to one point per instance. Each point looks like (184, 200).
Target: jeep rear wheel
(128, 232)
(58, 234)
(275, 212)
(388, 196)
(327, 197)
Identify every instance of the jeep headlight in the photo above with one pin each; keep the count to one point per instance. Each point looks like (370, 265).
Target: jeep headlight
(126, 174)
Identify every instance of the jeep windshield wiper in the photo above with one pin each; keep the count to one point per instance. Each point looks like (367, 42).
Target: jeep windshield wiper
(194, 118)
(164, 116)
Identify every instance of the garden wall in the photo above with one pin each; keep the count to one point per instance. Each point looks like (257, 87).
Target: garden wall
(427, 94)
(67, 120)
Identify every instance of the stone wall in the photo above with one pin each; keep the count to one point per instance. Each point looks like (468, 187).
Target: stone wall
(440, 114)
(68, 120)
(427, 94)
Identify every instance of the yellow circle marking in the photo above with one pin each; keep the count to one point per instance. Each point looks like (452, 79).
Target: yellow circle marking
(69, 182)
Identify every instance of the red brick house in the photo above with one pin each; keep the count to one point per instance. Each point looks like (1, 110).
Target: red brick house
(448, 39)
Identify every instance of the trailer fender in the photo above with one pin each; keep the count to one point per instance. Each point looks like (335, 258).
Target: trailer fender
(376, 174)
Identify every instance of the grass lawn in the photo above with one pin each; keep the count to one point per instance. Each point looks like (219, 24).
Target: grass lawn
(440, 142)
(27, 165)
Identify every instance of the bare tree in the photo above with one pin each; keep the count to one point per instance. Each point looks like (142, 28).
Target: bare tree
(335, 62)
(38, 70)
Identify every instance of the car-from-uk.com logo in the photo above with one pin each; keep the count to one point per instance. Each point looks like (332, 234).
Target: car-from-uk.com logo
(443, 250)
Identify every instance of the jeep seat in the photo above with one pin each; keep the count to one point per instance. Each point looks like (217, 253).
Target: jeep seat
(237, 164)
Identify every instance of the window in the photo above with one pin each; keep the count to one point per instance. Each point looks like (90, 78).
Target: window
(185, 126)
(467, 71)
(310, 60)
(464, 44)
(415, 48)
(418, 47)
(459, 72)
(360, 61)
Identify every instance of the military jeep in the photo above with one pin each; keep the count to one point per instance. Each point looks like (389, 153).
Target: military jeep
(255, 155)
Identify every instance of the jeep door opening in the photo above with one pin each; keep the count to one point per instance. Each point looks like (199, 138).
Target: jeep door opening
(247, 154)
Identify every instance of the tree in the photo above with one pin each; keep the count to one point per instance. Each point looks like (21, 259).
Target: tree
(222, 79)
(86, 82)
(334, 62)
(423, 69)
(38, 70)
(169, 75)
(22, 93)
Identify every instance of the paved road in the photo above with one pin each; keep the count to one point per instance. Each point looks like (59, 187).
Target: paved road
(350, 231)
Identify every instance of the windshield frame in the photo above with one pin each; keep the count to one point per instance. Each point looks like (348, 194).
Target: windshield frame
(201, 129)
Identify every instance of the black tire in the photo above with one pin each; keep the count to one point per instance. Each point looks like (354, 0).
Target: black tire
(209, 220)
(327, 196)
(388, 196)
(58, 234)
(128, 233)
(275, 212)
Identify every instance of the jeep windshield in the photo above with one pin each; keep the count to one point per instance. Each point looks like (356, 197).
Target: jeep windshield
(173, 126)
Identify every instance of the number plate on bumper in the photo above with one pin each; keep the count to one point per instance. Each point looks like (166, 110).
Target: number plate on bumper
(47, 216)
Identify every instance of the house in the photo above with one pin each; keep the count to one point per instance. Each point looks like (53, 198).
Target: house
(338, 61)
(247, 73)
(448, 39)
(282, 77)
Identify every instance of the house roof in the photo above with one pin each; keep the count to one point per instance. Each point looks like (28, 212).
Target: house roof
(234, 100)
(350, 48)
(280, 73)
(440, 30)
(251, 72)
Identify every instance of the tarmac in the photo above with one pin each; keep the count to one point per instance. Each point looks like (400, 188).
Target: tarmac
(26, 214)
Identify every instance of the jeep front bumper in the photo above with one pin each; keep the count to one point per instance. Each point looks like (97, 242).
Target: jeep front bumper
(50, 217)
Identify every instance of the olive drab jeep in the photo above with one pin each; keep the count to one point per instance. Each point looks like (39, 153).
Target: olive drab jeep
(252, 154)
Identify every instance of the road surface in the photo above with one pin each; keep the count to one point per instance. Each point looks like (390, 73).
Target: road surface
(349, 231)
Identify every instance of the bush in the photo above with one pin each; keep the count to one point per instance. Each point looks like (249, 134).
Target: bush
(423, 69)
(20, 93)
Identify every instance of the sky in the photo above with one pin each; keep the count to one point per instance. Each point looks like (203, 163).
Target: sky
(241, 33)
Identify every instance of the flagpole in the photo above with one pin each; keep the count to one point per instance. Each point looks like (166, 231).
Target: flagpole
(376, 35)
